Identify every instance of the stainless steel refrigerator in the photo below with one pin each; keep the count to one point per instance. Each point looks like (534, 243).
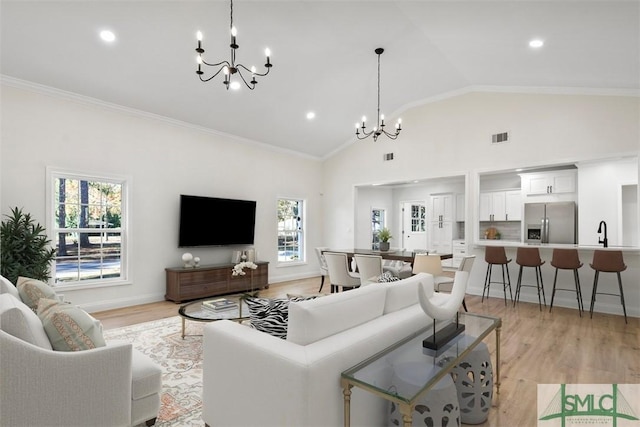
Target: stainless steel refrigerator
(550, 222)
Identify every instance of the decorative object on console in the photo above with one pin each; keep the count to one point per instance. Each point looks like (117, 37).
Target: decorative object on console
(196, 261)
(441, 306)
(238, 269)
(379, 128)
(230, 68)
(251, 255)
(235, 256)
(187, 258)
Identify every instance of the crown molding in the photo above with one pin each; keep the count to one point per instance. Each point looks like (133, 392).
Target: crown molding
(87, 100)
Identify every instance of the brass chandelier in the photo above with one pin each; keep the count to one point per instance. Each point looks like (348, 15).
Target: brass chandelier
(379, 128)
(230, 68)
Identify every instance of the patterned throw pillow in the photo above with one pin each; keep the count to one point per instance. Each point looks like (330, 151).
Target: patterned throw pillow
(269, 315)
(387, 277)
(68, 327)
(31, 290)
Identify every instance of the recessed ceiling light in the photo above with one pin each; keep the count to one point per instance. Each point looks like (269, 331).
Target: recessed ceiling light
(107, 36)
(311, 115)
(536, 43)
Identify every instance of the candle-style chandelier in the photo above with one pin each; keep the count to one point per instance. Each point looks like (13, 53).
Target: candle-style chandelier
(230, 68)
(379, 128)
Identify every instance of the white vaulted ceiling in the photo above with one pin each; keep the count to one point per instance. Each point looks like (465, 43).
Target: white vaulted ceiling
(323, 56)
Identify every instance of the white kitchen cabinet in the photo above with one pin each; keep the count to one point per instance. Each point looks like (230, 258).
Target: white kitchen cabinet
(441, 237)
(500, 206)
(460, 208)
(493, 206)
(556, 182)
(442, 207)
(459, 252)
(513, 205)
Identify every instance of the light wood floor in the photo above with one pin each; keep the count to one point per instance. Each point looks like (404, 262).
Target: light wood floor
(537, 347)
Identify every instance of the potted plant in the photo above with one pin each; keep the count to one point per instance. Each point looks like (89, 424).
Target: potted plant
(24, 248)
(384, 235)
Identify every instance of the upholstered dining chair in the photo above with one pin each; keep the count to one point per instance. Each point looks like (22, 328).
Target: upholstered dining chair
(339, 274)
(431, 264)
(324, 270)
(369, 268)
(466, 264)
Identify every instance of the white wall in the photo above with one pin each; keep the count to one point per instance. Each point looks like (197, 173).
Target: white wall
(453, 137)
(367, 199)
(164, 160)
(600, 198)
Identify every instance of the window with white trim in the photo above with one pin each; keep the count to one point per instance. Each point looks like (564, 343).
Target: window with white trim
(87, 217)
(378, 221)
(290, 230)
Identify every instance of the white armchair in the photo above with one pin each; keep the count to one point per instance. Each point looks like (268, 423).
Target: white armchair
(42, 387)
(112, 385)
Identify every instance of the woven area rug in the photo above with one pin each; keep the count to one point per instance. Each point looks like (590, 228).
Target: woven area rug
(181, 363)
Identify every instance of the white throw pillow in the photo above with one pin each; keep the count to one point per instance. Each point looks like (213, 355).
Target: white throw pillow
(18, 320)
(315, 319)
(6, 287)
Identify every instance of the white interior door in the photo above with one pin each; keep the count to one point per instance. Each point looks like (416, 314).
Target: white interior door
(414, 233)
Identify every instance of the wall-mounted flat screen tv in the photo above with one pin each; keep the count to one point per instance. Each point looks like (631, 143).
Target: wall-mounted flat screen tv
(210, 221)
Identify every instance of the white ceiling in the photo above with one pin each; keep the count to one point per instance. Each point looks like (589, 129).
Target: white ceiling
(323, 57)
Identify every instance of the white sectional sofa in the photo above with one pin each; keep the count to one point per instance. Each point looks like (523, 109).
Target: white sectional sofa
(254, 379)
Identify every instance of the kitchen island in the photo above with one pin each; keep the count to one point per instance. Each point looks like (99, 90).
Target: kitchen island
(606, 283)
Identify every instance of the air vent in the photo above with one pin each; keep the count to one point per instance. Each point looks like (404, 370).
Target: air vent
(500, 138)
(387, 157)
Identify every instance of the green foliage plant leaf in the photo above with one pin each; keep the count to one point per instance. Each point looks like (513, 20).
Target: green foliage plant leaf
(25, 249)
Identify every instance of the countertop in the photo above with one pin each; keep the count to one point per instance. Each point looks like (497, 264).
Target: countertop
(515, 244)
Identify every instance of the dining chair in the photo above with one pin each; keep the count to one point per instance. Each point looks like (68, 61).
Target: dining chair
(339, 274)
(431, 264)
(369, 268)
(324, 270)
(466, 264)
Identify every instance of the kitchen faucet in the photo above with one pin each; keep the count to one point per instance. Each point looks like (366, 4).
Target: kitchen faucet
(605, 241)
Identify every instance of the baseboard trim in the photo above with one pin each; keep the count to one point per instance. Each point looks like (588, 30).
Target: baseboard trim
(121, 302)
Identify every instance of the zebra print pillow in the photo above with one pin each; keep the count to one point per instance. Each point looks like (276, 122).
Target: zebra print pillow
(269, 315)
(387, 277)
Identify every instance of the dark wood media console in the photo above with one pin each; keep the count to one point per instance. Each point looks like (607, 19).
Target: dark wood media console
(184, 284)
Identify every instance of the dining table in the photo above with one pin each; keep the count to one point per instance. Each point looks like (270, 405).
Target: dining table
(398, 255)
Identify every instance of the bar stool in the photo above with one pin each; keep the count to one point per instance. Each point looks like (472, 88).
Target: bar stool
(530, 257)
(567, 259)
(607, 262)
(497, 255)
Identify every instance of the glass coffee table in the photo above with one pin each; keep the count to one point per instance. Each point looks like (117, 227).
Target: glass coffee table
(375, 374)
(196, 312)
